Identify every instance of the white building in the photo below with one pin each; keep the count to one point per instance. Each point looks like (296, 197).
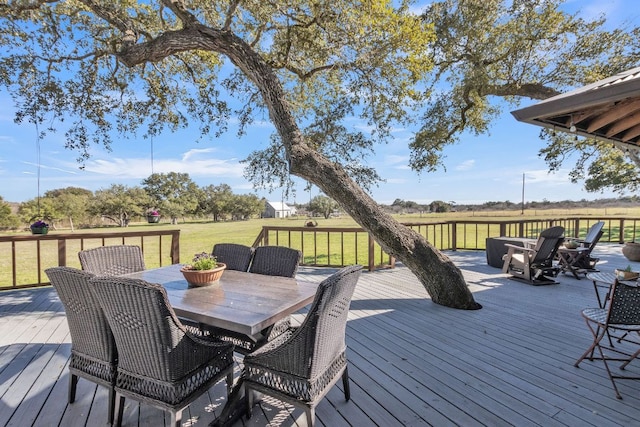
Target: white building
(278, 210)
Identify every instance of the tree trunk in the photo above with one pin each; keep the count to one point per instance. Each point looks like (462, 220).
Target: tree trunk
(440, 277)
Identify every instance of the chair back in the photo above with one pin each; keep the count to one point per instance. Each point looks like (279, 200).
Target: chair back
(326, 321)
(275, 261)
(93, 346)
(236, 257)
(547, 245)
(146, 329)
(623, 307)
(593, 235)
(112, 260)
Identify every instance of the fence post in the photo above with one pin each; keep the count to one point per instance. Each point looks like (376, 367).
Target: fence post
(621, 237)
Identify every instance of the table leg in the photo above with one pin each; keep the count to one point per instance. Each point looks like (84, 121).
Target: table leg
(235, 407)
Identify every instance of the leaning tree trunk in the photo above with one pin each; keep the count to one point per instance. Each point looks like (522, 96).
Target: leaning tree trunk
(440, 277)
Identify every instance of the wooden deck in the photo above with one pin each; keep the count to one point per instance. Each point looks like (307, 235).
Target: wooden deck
(412, 362)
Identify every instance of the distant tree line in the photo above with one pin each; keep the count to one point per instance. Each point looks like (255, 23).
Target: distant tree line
(172, 195)
(439, 206)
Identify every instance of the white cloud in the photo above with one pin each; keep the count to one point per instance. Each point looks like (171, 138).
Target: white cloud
(195, 152)
(194, 162)
(466, 165)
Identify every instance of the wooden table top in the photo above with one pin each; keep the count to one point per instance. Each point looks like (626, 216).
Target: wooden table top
(241, 302)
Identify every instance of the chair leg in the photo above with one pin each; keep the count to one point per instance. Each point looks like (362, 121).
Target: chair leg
(112, 405)
(176, 418)
(248, 393)
(311, 416)
(73, 382)
(598, 334)
(345, 384)
(119, 409)
(229, 382)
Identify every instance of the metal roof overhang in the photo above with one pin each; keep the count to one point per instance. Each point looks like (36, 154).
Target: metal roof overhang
(607, 110)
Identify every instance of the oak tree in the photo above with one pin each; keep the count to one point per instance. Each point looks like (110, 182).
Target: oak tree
(106, 68)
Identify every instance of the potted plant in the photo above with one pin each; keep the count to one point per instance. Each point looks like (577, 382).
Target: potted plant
(627, 274)
(631, 250)
(203, 270)
(571, 243)
(39, 227)
(153, 216)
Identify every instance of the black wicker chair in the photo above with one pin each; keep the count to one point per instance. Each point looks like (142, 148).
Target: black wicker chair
(112, 260)
(236, 257)
(160, 362)
(275, 261)
(301, 365)
(93, 349)
(272, 261)
(621, 315)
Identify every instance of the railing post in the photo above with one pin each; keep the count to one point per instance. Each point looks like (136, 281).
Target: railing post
(454, 235)
(370, 253)
(621, 237)
(521, 229)
(175, 247)
(62, 252)
(503, 229)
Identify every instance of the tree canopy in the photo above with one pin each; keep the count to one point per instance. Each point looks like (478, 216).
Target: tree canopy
(107, 68)
(493, 54)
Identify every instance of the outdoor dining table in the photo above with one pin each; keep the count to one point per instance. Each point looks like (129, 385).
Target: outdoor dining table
(241, 302)
(245, 303)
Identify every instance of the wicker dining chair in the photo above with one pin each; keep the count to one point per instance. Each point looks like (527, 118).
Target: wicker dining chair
(235, 256)
(159, 361)
(112, 260)
(301, 365)
(275, 261)
(271, 261)
(621, 315)
(93, 350)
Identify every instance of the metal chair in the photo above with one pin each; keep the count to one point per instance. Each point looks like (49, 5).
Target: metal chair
(621, 315)
(160, 362)
(235, 256)
(93, 350)
(112, 260)
(534, 265)
(275, 261)
(302, 364)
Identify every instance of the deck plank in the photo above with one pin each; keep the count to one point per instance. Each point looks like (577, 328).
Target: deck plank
(412, 362)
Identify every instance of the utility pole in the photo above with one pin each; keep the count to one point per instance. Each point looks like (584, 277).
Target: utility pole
(522, 212)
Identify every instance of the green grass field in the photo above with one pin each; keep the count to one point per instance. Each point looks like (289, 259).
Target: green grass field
(319, 248)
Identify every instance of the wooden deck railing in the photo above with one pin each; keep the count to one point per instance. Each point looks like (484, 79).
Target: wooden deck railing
(23, 259)
(332, 246)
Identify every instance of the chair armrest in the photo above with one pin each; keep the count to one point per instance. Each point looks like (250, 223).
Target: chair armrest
(520, 248)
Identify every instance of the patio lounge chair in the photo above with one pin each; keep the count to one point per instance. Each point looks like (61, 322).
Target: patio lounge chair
(303, 364)
(621, 315)
(579, 260)
(534, 265)
(112, 260)
(93, 349)
(236, 257)
(159, 362)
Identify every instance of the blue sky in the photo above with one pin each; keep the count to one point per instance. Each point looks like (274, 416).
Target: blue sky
(478, 169)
